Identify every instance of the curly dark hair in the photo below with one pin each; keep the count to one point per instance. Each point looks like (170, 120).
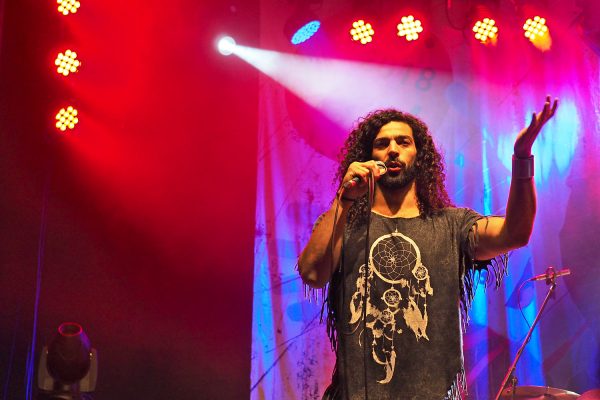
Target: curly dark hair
(429, 165)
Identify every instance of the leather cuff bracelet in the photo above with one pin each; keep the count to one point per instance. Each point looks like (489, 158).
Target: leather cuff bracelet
(522, 168)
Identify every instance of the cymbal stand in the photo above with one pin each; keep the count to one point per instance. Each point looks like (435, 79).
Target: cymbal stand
(551, 280)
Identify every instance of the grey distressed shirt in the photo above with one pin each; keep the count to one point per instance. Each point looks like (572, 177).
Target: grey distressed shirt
(409, 335)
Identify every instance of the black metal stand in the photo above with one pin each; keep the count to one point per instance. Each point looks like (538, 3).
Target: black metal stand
(510, 373)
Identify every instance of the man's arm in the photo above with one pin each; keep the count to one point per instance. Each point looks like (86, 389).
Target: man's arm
(317, 261)
(499, 235)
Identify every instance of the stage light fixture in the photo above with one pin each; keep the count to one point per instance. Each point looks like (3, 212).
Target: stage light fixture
(535, 28)
(409, 28)
(362, 32)
(67, 62)
(305, 32)
(226, 45)
(66, 118)
(538, 33)
(486, 31)
(302, 24)
(68, 6)
(68, 366)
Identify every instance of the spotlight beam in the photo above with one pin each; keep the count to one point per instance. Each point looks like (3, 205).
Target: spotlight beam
(343, 89)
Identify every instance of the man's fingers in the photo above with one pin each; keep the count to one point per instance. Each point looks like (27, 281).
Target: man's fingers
(533, 119)
(359, 171)
(554, 106)
(528, 135)
(549, 108)
(368, 166)
(548, 111)
(373, 167)
(362, 171)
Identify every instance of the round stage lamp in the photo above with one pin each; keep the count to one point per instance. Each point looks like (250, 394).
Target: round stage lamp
(538, 33)
(486, 31)
(302, 25)
(362, 31)
(68, 366)
(69, 354)
(409, 28)
(226, 45)
(67, 62)
(66, 118)
(66, 7)
(535, 28)
(305, 32)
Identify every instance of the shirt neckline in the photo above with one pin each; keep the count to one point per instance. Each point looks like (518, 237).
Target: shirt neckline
(393, 217)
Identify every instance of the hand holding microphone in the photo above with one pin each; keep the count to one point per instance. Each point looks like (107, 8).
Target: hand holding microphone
(381, 168)
(355, 182)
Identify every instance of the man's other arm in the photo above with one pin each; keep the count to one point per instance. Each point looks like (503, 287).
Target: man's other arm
(499, 235)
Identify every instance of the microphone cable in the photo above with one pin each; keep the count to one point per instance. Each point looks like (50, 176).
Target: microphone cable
(519, 302)
(365, 296)
(366, 270)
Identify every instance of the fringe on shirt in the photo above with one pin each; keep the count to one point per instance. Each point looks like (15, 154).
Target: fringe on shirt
(494, 269)
(459, 387)
(322, 296)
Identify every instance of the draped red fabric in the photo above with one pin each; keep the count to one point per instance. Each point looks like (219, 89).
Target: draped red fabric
(141, 222)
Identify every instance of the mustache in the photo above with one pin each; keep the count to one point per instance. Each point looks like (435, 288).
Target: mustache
(395, 163)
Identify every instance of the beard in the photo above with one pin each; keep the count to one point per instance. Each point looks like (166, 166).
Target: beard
(399, 180)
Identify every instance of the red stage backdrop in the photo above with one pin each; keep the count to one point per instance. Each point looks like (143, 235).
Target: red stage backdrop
(141, 220)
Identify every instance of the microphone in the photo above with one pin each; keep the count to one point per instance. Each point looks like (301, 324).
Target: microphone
(356, 180)
(551, 274)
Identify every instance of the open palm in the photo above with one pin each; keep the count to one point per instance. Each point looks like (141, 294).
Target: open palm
(527, 136)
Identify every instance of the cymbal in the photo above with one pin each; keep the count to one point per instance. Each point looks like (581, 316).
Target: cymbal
(538, 392)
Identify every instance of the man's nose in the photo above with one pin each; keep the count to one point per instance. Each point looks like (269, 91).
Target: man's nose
(393, 149)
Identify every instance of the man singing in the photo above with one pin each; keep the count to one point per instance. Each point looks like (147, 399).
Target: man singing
(400, 264)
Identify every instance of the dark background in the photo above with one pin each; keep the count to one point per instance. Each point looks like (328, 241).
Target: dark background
(141, 223)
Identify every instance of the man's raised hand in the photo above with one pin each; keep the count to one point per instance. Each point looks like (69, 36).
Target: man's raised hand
(527, 136)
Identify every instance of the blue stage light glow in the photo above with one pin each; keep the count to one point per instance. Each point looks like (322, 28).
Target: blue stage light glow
(305, 32)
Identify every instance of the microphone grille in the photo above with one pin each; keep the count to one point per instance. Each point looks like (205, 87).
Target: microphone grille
(381, 166)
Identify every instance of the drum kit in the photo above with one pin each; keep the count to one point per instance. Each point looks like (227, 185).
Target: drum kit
(509, 388)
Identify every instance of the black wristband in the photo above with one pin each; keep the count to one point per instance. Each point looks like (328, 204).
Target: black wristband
(522, 168)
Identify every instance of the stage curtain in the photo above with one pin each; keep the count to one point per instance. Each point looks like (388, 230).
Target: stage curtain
(475, 103)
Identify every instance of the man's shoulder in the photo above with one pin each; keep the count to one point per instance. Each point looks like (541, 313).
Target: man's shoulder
(454, 211)
(460, 215)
